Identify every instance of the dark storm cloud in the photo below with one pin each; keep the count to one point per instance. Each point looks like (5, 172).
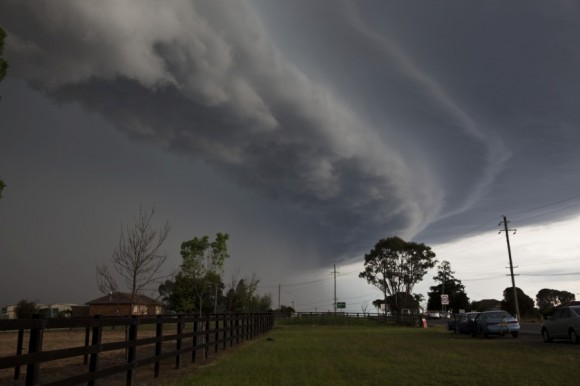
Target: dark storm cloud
(377, 118)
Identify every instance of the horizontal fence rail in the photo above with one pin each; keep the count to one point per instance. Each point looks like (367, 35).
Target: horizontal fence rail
(143, 341)
(403, 320)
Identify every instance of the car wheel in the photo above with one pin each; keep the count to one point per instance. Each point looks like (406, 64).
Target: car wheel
(574, 337)
(515, 334)
(546, 336)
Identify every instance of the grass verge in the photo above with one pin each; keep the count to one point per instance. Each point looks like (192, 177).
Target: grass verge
(379, 355)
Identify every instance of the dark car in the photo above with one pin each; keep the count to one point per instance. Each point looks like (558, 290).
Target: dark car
(563, 324)
(461, 323)
(496, 323)
(465, 324)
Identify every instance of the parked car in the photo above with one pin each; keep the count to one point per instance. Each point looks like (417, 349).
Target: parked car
(564, 323)
(445, 315)
(466, 323)
(433, 315)
(496, 323)
(451, 322)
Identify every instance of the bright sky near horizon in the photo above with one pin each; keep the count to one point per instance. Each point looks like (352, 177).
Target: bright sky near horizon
(307, 130)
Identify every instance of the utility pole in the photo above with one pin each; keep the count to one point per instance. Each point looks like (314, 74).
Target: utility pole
(279, 290)
(334, 272)
(506, 230)
(443, 290)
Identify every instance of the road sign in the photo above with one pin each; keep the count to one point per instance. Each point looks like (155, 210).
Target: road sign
(445, 299)
(340, 305)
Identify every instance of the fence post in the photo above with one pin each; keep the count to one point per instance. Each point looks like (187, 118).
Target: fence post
(95, 342)
(225, 334)
(34, 345)
(216, 334)
(195, 329)
(253, 325)
(19, 352)
(132, 353)
(231, 329)
(87, 340)
(206, 345)
(180, 324)
(158, 344)
(237, 329)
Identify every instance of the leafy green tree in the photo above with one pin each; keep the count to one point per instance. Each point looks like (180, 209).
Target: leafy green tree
(26, 309)
(448, 285)
(242, 297)
(485, 305)
(165, 290)
(525, 303)
(377, 303)
(394, 266)
(419, 298)
(288, 310)
(548, 299)
(202, 267)
(402, 300)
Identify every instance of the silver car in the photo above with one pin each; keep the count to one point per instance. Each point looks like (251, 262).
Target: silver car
(563, 324)
(495, 323)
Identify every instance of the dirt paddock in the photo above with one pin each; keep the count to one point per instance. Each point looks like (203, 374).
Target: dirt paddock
(69, 338)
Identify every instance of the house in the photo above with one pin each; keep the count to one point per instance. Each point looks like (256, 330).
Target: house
(55, 310)
(119, 304)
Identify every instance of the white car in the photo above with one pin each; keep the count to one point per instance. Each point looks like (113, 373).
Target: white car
(564, 323)
(434, 315)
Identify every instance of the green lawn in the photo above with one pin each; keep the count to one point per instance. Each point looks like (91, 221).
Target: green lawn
(378, 355)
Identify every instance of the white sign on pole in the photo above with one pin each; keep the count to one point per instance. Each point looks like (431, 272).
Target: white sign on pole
(445, 299)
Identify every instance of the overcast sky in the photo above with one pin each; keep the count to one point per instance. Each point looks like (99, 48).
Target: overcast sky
(307, 130)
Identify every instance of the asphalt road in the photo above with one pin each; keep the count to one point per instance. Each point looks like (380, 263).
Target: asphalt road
(531, 328)
(528, 331)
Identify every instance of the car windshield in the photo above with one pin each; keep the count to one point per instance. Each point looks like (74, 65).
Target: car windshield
(498, 315)
(576, 310)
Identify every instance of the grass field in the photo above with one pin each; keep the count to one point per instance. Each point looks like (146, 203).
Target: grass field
(375, 355)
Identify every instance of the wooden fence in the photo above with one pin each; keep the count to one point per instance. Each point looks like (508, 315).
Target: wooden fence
(145, 341)
(330, 317)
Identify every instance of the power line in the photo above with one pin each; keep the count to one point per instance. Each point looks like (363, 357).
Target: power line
(546, 205)
(550, 274)
(548, 213)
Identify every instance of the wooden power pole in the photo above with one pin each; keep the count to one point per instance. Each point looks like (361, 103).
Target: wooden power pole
(506, 230)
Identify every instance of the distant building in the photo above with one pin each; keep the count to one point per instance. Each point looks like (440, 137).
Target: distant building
(8, 312)
(119, 304)
(80, 312)
(56, 310)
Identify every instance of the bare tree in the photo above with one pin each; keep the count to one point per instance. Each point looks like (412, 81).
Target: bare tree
(364, 306)
(137, 258)
(105, 281)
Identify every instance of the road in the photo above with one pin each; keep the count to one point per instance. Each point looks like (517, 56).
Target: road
(531, 328)
(528, 331)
